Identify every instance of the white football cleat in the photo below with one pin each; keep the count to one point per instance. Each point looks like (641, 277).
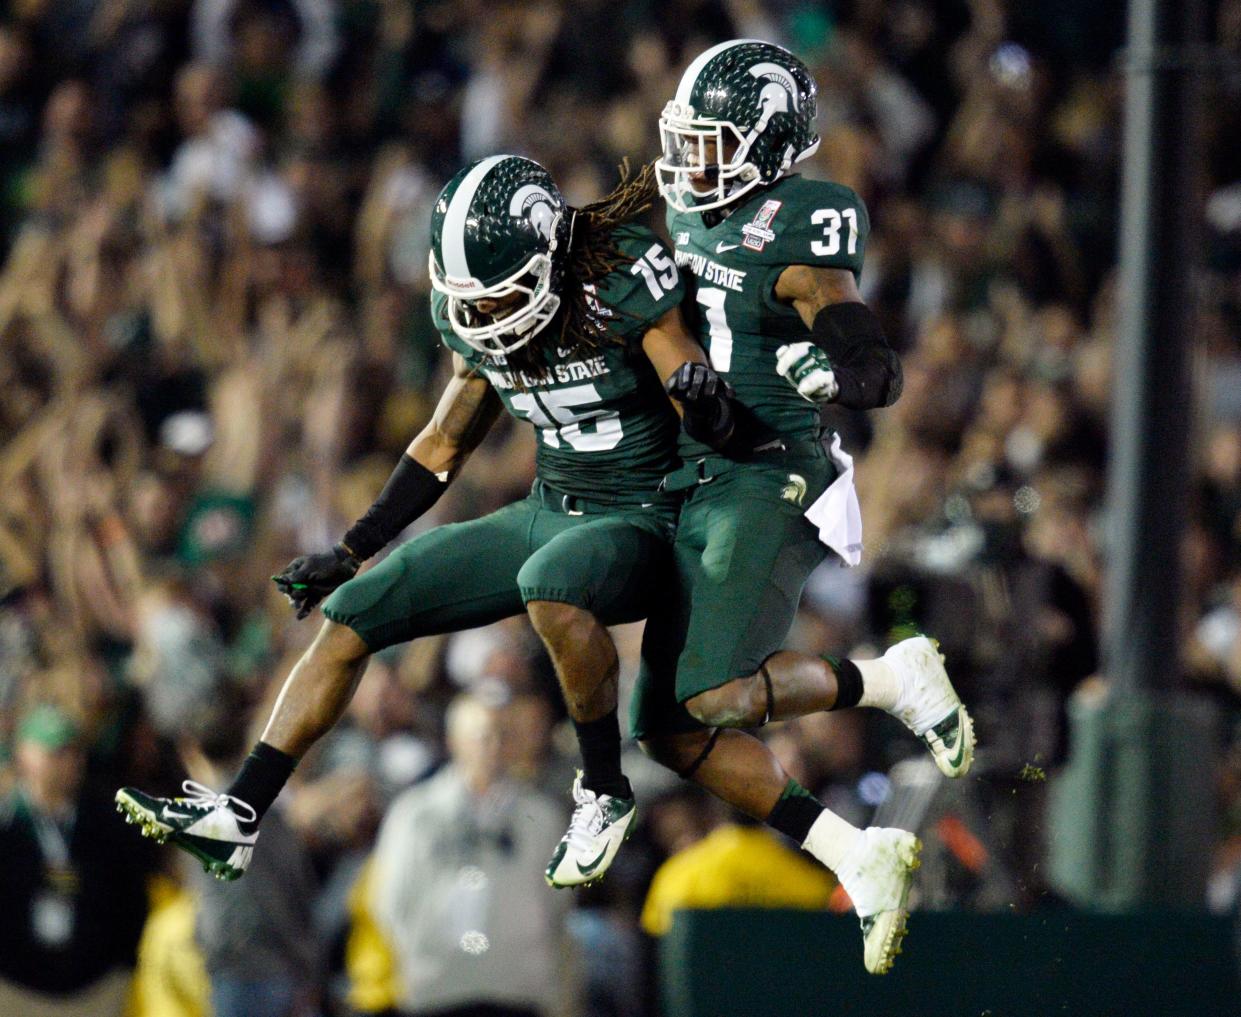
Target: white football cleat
(877, 875)
(929, 706)
(217, 829)
(600, 825)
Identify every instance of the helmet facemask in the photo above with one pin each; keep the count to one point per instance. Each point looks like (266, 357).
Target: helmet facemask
(500, 237)
(693, 146)
(513, 327)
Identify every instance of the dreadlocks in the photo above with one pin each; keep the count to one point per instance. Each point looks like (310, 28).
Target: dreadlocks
(593, 253)
(591, 256)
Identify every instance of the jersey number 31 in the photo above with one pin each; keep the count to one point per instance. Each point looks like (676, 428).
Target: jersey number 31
(831, 221)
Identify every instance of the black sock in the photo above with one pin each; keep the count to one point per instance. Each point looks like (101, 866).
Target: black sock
(261, 777)
(848, 683)
(599, 741)
(795, 812)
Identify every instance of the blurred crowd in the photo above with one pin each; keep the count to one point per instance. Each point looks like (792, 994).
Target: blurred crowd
(214, 344)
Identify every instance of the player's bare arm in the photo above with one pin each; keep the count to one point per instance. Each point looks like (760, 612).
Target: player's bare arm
(465, 412)
(846, 359)
(668, 344)
(811, 288)
(698, 394)
(463, 416)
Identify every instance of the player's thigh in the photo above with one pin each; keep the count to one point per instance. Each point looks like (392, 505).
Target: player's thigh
(743, 557)
(608, 565)
(452, 577)
(653, 705)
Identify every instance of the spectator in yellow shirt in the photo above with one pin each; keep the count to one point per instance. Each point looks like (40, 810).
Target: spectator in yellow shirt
(735, 865)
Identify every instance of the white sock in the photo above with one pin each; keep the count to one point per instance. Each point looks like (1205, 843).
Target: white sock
(881, 686)
(831, 839)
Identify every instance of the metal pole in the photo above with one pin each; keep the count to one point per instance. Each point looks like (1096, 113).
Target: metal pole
(1160, 212)
(1132, 815)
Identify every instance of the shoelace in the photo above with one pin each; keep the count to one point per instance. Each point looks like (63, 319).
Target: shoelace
(204, 797)
(587, 818)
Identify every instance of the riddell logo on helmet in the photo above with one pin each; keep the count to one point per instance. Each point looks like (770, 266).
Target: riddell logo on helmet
(758, 232)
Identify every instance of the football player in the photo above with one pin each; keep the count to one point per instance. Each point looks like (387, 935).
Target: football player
(771, 262)
(568, 319)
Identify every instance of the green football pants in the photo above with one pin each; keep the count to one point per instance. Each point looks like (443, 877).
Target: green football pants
(743, 553)
(608, 560)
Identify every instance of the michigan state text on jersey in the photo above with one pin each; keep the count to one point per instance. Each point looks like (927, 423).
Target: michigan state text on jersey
(606, 429)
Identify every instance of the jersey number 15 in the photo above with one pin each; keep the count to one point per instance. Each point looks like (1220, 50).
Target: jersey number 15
(657, 270)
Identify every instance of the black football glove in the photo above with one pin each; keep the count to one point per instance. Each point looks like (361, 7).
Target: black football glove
(310, 578)
(706, 399)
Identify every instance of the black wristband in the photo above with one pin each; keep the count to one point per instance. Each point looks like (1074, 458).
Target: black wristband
(409, 492)
(867, 369)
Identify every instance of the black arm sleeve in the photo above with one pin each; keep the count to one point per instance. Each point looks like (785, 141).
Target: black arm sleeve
(409, 492)
(867, 369)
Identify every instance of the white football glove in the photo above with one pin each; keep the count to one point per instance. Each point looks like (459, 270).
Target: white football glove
(808, 369)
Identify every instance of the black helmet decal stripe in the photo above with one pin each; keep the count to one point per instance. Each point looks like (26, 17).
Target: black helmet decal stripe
(456, 266)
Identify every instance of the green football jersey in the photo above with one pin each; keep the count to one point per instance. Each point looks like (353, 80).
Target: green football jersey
(730, 271)
(607, 431)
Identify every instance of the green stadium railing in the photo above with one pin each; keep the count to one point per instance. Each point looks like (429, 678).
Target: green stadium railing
(1061, 963)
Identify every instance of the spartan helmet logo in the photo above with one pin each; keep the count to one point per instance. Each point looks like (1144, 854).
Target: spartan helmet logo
(778, 95)
(535, 204)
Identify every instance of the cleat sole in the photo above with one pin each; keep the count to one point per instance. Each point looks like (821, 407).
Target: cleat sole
(158, 832)
(909, 854)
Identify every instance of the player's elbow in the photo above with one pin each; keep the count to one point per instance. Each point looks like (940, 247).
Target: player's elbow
(436, 450)
(894, 380)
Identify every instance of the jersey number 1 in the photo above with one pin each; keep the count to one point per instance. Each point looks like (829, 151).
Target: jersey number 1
(720, 342)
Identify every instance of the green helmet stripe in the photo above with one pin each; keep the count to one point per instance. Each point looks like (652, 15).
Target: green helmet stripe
(686, 87)
(456, 265)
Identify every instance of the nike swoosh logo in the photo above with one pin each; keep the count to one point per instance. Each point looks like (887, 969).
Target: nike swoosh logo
(959, 758)
(587, 869)
(721, 247)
